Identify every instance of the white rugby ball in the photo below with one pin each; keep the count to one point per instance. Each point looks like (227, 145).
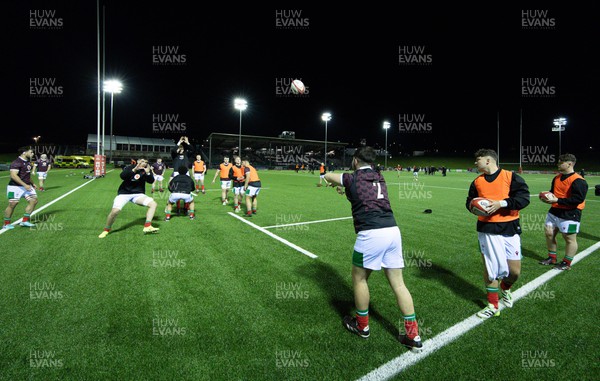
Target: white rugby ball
(479, 206)
(298, 87)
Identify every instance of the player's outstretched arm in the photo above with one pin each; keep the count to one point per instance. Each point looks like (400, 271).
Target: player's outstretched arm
(333, 178)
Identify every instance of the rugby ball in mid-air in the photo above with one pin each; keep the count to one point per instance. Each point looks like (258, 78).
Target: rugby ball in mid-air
(298, 87)
(547, 196)
(479, 206)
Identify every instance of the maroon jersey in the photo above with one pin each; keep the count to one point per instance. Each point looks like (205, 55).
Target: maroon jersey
(158, 168)
(42, 165)
(24, 168)
(367, 192)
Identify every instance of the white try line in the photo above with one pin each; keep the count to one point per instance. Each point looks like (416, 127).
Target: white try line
(407, 359)
(284, 241)
(307, 222)
(2, 231)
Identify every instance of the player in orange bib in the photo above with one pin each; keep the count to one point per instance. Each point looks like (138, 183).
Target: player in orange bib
(252, 187)
(322, 172)
(499, 233)
(223, 173)
(236, 174)
(199, 172)
(569, 189)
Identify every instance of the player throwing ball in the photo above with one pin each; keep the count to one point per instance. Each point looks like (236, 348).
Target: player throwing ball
(378, 244)
(133, 189)
(499, 231)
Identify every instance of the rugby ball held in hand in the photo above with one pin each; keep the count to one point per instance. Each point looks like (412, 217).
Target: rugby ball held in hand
(479, 206)
(546, 196)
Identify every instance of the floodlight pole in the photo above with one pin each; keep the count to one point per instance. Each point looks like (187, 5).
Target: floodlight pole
(559, 123)
(386, 126)
(240, 104)
(240, 137)
(326, 117)
(325, 144)
(112, 95)
(559, 142)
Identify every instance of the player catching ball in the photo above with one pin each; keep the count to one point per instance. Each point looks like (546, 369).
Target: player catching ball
(133, 189)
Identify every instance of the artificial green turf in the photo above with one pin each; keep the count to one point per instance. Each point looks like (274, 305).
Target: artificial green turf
(234, 303)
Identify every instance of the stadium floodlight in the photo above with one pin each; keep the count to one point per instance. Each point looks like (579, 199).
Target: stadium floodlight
(386, 127)
(113, 87)
(36, 139)
(326, 117)
(240, 104)
(559, 124)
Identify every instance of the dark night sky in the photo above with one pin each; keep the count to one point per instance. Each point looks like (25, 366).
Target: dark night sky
(348, 57)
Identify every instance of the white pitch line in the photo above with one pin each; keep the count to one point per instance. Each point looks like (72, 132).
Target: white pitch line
(407, 359)
(2, 231)
(284, 241)
(306, 223)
